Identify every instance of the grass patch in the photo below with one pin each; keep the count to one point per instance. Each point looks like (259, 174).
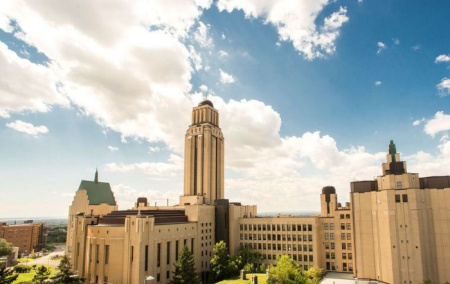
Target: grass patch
(236, 280)
(25, 259)
(27, 277)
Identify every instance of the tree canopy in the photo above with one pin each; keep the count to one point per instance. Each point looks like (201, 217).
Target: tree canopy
(7, 276)
(288, 271)
(42, 274)
(185, 269)
(65, 274)
(5, 248)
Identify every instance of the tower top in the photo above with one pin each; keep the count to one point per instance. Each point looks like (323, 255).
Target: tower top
(392, 150)
(96, 176)
(206, 102)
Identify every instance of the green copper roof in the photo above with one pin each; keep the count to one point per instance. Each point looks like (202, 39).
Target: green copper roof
(98, 192)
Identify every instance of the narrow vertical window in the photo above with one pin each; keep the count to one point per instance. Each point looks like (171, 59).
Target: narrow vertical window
(106, 254)
(176, 250)
(90, 252)
(397, 198)
(146, 258)
(158, 255)
(168, 253)
(132, 253)
(192, 245)
(404, 197)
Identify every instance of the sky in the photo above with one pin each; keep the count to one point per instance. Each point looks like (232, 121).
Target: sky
(309, 93)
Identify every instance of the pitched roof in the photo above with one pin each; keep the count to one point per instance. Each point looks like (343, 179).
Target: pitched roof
(98, 192)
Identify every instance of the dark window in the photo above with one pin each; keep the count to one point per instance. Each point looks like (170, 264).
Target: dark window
(132, 253)
(405, 197)
(397, 198)
(192, 245)
(158, 277)
(168, 253)
(158, 255)
(176, 250)
(106, 254)
(146, 259)
(167, 274)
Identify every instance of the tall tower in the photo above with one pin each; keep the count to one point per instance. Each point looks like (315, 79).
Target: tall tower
(204, 157)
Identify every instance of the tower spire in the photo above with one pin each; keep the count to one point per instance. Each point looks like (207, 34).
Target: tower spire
(96, 175)
(392, 150)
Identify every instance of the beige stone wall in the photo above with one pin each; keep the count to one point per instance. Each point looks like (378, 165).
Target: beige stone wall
(80, 203)
(402, 235)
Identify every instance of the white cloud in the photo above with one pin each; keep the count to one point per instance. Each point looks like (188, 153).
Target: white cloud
(112, 148)
(418, 121)
(226, 78)
(396, 41)
(202, 35)
(223, 53)
(377, 83)
(131, 74)
(381, 47)
(172, 167)
(416, 47)
(295, 22)
(442, 58)
(439, 123)
(27, 128)
(223, 36)
(127, 196)
(444, 87)
(154, 149)
(203, 88)
(37, 95)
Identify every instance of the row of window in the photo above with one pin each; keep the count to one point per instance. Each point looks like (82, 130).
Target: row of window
(330, 226)
(403, 199)
(331, 245)
(276, 227)
(275, 237)
(332, 255)
(345, 266)
(295, 257)
(330, 236)
(279, 247)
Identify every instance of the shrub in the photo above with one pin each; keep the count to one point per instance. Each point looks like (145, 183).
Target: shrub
(22, 268)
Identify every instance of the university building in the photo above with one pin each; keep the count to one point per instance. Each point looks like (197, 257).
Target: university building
(396, 229)
(29, 237)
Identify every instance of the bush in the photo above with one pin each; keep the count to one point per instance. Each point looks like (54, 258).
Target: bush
(22, 268)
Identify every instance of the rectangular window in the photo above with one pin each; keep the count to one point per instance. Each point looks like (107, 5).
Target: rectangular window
(399, 185)
(333, 255)
(310, 258)
(158, 255)
(342, 216)
(167, 274)
(331, 226)
(168, 254)
(344, 266)
(90, 252)
(344, 255)
(332, 245)
(146, 258)
(350, 267)
(310, 228)
(348, 226)
(176, 250)
(350, 255)
(105, 279)
(327, 245)
(344, 245)
(325, 226)
(349, 246)
(132, 253)
(192, 245)
(405, 197)
(310, 248)
(158, 277)
(342, 226)
(349, 236)
(347, 216)
(332, 236)
(342, 236)
(327, 255)
(106, 254)
(397, 198)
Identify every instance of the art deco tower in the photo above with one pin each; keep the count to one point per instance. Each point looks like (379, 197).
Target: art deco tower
(204, 156)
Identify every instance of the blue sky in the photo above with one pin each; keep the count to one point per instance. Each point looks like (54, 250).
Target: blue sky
(309, 94)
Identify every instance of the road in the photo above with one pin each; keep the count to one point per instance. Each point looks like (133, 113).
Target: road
(59, 250)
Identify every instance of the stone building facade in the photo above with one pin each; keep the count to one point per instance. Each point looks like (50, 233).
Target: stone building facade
(396, 228)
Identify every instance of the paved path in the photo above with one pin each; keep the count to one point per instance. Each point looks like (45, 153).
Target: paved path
(59, 250)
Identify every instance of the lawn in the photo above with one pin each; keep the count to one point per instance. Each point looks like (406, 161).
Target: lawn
(26, 277)
(261, 279)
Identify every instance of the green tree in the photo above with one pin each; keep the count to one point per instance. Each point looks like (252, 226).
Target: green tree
(313, 275)
(6, 248)
(42, 273)
(65, 274)
(7, 276)
(220, 263)
(185, 269)
(248, 256)
(286, 272)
